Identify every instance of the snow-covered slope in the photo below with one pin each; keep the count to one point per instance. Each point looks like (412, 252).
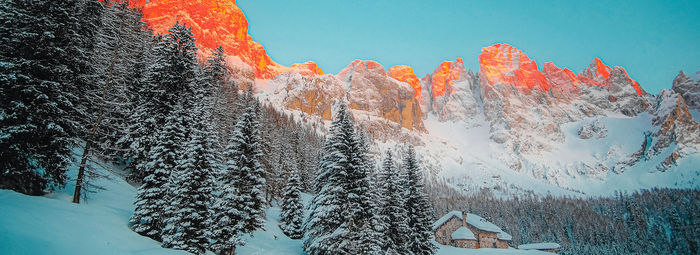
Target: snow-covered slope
(54, 225)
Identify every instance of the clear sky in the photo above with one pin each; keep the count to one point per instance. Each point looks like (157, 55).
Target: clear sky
(653, 40)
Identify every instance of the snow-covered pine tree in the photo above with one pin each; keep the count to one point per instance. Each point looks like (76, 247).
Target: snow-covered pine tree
(418, 207)
(371, 236)
(292, 216)
(327, 206)
(168, 83)
(148, 218)
(222, 94)
(227, 219)
(393, 208)
(37, 67)
(227, 206)
(340, 208)
(250, 181)
(189, 221)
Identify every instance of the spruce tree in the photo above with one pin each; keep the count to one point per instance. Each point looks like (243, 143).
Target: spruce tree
(169, 82)
(151, 203)
(39, 65)
(227, 218)
(292, 216)
(418, 207)
(394, 211)
(340, 208)
(192, 185)
(245, 159)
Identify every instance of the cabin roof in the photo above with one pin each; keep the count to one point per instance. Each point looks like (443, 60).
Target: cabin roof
(446, 218)
(482, 224)
(504, 236)
(463, 233)
(539, 246)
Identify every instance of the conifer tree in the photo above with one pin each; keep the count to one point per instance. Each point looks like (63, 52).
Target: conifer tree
(40, 60)
(228, 212)
(418, 207)
(169, 83)
(151, 203)
(227, 219)
(248, 171)
(394, 211)
(292, 216)
(189, 218)
(340, 208)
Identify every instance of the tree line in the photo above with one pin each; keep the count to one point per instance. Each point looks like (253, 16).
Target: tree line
(657, 221)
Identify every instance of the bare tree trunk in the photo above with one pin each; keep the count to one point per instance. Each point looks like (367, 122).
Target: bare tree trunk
(86, 151)
(93, 132)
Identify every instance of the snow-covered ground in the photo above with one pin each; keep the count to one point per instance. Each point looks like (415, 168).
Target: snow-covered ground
(53, 225)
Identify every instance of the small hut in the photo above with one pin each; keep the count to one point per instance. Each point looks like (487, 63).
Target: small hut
(548, 247)
(472, 231)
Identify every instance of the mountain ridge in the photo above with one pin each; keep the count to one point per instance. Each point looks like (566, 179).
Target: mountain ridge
(522, 114)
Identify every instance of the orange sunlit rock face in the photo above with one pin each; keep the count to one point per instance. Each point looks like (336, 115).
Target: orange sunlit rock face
(504, 64)
(599, 74)
(405, 74)
(444, 76)
(596, 74)
(214, 23)
(308, 69)
(558, 76)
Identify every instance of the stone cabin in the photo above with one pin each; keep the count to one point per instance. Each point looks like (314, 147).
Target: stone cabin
(466, 230)
(548, 247)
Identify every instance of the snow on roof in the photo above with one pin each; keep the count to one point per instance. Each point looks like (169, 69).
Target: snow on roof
(463, 233)
(539, 246)
(445, 218)
(482, 224)
(504, 236)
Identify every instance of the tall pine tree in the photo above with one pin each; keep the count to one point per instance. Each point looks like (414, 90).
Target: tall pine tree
(169, 82)
(192, 185)
(42, 65)
(151, 203)
(292, 216)
(394, 211)
(340, 209)
(245, 159)
(418, 207)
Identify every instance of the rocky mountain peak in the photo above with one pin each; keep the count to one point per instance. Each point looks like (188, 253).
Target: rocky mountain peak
(504, 64)
(218, 23)
(689, 89)
(405, 74)
(596, 73)
(443, 78)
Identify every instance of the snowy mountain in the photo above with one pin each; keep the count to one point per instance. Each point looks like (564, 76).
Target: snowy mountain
(512, 126)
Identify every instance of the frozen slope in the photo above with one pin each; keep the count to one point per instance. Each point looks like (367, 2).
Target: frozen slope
(54, 225)
(462, 153)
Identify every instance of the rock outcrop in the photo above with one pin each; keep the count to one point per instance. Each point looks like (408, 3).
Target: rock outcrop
(217, 23)
(689, 89)
(366, 87)
(452, 92)
(675, 126)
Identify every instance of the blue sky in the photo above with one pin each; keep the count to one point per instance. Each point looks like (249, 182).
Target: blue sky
(653, 40)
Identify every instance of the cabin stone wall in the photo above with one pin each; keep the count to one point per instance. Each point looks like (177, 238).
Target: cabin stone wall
(444, 232)
(502, 244)
(471, 244)
(486, 239)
